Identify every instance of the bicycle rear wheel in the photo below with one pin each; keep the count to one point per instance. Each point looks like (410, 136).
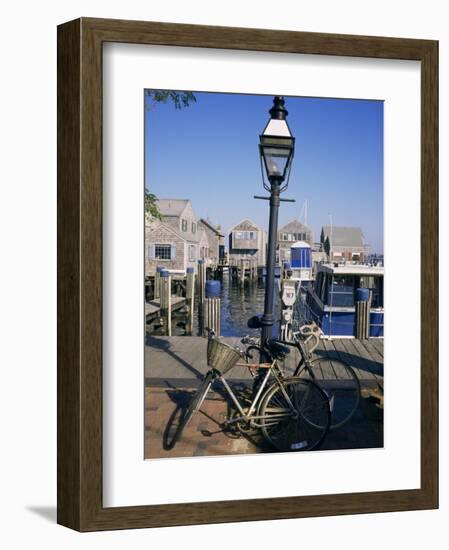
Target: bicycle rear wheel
(341, 384)
(295, 415)
(194, 406)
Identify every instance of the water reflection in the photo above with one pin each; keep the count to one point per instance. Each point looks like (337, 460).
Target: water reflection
(239, 303)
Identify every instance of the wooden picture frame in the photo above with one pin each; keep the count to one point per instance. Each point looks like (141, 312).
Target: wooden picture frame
(80, 351)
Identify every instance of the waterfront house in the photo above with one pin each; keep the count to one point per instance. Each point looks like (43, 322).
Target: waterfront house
(215, 241)
(173, 241)
(247, 241)
(345, 243)
(289, 234)
(203, 246)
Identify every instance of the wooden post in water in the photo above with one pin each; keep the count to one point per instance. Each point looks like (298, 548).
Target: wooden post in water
(212, 310)
(201, 282)
(190, 298)
(362, 314)
(157, 282)
(165, 301)
(242, 272)
(359, 316)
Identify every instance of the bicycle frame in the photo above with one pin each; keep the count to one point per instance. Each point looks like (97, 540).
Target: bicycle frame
(306, 357)
(261, 402)
(250, 416)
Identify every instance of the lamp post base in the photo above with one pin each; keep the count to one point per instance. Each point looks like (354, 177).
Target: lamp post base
(267, 327)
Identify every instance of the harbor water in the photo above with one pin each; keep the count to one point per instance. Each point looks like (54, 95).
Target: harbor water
(238, 304)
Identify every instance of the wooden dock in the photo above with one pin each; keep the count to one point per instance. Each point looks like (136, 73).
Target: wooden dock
(175, 366)
(181, 360)
(153, 307)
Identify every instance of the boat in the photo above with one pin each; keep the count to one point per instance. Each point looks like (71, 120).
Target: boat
(331, 299)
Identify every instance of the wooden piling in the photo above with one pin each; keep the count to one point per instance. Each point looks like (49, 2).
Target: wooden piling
(242, 272)
(362, 310)
(190, 298)
(201, 283)
(157, 282)
(165, 301)
(211, 315)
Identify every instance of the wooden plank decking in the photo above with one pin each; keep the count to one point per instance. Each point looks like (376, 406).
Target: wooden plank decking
(153, 307)
(181, 360)
(175, 365)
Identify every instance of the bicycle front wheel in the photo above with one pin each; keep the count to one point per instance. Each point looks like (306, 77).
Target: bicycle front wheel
(341, 385)
(295, 415)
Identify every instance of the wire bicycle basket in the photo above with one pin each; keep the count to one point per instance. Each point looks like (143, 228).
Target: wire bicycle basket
(221, 356)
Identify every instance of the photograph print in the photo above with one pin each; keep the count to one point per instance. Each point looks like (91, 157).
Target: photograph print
(264, 271)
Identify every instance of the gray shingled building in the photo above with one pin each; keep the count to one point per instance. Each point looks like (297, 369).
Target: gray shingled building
(215, 238)
(346, 243)
(291, 233)
(247, 241)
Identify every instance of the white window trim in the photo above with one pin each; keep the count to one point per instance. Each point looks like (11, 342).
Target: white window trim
(190, 248)
(171, 245)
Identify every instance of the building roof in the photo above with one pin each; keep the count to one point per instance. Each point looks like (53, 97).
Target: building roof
(153, 224)
(344, 236)
(172, 207)
(295, 226)
(215, 228)
(245, 225)
(300, 244)
(351, 269)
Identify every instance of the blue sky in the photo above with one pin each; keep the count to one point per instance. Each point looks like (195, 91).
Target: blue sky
(208, 153)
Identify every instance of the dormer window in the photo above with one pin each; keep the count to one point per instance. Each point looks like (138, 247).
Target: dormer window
(184, 226)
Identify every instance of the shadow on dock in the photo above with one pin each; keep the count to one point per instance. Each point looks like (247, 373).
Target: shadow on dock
(214, 422)
(165, 345)
(175, 367)
(369, 366)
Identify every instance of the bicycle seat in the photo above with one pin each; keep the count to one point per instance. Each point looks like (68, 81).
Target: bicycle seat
(276, 349)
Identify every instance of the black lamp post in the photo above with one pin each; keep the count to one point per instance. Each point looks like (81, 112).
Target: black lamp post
(277, 146)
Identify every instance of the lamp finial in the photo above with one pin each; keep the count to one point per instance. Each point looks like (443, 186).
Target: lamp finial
(278, 111)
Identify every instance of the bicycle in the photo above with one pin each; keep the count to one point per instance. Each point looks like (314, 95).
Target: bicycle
(293, 413)
(336, 377)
